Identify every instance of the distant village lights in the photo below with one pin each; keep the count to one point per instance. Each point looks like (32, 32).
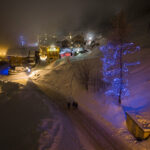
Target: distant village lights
(3, 52)
(52, 48)
(22, 41)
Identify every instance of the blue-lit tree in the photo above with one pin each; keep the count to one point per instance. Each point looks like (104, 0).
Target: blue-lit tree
(22, 41)
(115, 67)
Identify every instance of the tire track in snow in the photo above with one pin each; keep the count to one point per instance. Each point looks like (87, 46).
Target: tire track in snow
(58, 133)
(49, 137)
(95, 133)
(51, 130)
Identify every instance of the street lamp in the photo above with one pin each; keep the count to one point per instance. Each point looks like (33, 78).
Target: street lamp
(89, 37)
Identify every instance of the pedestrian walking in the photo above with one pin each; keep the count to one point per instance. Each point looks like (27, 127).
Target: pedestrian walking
(74, 105)
(68, 105)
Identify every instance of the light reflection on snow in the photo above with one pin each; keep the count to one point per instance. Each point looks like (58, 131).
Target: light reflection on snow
(33, 73)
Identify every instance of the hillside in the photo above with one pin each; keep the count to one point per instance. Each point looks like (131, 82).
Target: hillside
(61, 78)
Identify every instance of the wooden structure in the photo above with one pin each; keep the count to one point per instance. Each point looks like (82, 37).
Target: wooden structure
(21, 56)
(136, 128)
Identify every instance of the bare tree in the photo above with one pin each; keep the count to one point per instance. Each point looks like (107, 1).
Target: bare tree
(119, 36)
(82, 72)
(96, 81)
(88, 74)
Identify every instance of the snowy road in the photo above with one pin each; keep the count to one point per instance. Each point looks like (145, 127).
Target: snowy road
(92, 136)
(96, 134)
(31, 120)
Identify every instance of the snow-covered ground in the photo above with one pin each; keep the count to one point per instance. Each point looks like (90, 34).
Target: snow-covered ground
(21, 109)
(60, 77)
(32, 121)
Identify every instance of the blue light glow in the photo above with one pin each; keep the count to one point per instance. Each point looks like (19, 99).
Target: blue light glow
(22, 40)
(111, 67)
(5, 71)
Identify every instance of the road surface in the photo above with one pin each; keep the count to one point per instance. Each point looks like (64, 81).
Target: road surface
(31, 120)
(92, 135)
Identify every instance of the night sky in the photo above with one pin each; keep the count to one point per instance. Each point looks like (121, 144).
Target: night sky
(30, 17)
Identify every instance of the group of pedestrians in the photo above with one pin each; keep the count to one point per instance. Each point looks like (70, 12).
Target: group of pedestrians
(73, 105)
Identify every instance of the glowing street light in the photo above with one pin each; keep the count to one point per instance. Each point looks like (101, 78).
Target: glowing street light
(89, 38)
(43, 57)
(33, 73)
(3, 52)
(52, 48)
(28, 69)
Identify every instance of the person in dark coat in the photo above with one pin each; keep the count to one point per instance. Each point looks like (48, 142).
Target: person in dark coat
(68, 105)
(74, 105)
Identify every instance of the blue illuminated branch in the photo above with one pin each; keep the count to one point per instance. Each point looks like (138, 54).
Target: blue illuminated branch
(22, 41)
(111, 67)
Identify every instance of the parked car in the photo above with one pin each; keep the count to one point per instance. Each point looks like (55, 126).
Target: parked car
(65, 52)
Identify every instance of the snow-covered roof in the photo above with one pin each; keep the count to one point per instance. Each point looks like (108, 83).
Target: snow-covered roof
(65, 50)
(21, 52)
(77, 49)
(18, 52)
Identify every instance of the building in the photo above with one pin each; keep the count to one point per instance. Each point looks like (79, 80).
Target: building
(49, 53)
(21, 56)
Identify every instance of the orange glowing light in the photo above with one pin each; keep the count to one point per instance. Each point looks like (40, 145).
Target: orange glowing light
(3, 51)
